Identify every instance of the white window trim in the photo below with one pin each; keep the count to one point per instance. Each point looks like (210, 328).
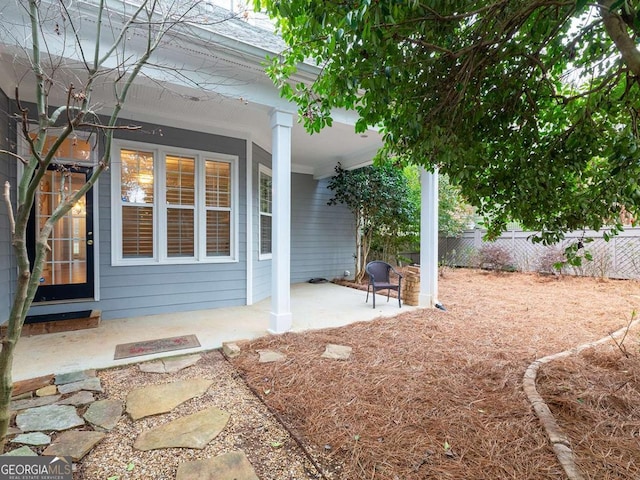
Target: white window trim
(263, 170)
(160, 256)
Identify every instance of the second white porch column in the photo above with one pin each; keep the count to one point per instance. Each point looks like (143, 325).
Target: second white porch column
(280, 320)
(428, 238)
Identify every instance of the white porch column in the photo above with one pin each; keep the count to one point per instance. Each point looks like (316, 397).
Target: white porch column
(280, 320)
(428, 238)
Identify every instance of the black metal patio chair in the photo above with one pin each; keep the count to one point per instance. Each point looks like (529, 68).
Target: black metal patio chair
(379, 278)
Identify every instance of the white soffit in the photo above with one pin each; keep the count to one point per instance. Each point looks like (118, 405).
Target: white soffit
(216, 87)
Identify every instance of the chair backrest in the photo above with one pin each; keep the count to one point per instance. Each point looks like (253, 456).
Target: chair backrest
(378, 270)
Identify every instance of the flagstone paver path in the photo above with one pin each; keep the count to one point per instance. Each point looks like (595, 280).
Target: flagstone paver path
(193, 431)
(156, 399)
(71, 401)
(104, 414)
(32, 438)
(49, 417)
(229, 466)
(75, 444)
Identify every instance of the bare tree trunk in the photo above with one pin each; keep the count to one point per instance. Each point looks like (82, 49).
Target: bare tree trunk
(365, 240)
(151, 18)
(357, 276)
(16, 320)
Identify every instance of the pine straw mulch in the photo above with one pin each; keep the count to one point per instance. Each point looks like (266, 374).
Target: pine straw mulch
(432, 394)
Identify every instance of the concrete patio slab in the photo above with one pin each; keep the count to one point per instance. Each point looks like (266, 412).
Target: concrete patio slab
(313, 306)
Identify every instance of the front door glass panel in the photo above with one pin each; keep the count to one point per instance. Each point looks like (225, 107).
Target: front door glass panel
(66, 263)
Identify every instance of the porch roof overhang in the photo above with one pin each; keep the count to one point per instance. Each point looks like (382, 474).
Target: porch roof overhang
(211, 80)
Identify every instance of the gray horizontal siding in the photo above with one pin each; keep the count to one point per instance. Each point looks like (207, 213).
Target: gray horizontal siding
(7, 172)
(261, 268)
(322, 236)
(150, 289)
(322, 239)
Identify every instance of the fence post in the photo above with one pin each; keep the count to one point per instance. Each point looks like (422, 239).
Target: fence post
(615, 257)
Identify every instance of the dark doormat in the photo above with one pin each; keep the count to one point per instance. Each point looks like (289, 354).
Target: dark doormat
(135, 349)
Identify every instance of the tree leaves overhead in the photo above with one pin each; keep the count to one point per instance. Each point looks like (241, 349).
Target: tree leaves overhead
(531, 106)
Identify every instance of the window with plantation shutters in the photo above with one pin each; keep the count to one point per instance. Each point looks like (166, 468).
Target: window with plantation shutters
(137, 197)
(218, 207)
(180, 205)
(266, 211)
(174, 206)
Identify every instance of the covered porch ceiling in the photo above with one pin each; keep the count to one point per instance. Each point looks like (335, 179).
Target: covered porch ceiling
(216, 94)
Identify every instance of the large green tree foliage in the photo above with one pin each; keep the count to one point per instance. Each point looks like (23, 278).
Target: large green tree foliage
(454, 212)
(531, 106)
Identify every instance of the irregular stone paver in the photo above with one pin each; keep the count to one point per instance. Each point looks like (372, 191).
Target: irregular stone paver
(46, 391)
(230, 349)
(34, 438)
(74, 377)
(75, 444)
(22, 396)
(13, 431)
(267, 356)
(156, 366)
(192, 431)
(104, 414)
(170, 365)
(93, 384)
(337, 352)
(155, 399)
(33, 402)
(230, 466)
(78, 399)
(23, 451)
(49, 417)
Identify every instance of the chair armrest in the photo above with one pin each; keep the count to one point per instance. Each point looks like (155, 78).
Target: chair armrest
(397, 273)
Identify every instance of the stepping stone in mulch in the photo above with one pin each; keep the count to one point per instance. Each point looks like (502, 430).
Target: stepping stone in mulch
(104, 414)
(74, 377)
(93, 384)
(75, 444)
(337, 352)
(230, 349)
(34, 438)
(268, 356)
(170, 365)
(155, 399)
(46, 391)
(18, 405)
(78, 399)
(230, 466)
(49, 417)
(23, 451)
(192, 431)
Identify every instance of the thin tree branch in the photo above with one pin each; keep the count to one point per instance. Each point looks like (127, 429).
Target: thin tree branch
(7, 201)
(16, 156)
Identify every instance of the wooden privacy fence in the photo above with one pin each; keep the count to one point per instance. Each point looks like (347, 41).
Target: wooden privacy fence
(617, 258)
